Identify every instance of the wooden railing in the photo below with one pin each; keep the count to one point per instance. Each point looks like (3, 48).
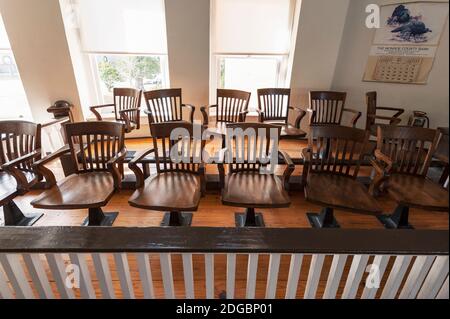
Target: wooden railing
(95, 262)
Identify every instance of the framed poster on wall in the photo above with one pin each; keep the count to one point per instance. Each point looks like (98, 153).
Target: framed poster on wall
(405, 45)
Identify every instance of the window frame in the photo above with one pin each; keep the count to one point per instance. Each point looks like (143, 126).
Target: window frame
(284, 67)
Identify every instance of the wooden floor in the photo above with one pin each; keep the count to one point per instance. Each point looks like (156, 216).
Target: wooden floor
(212, 213)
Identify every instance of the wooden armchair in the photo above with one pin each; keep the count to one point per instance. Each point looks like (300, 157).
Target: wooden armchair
(126, 106)
(332, 162)
(166, 106)
(327, 108)
(20, 147)
(97, 149)
(231, 107)
(274, 106)
(373, 118)
(402, 159)
(249, 182)
(180, 180)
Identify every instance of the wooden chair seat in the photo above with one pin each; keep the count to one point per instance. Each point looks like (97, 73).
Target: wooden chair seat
(78, 191)
(340, 191)
(288, 131)
(169, 191)
(254, 190)
(8, 185)
(417, 191)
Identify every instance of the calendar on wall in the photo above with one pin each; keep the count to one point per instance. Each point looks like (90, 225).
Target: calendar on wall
(404, 47)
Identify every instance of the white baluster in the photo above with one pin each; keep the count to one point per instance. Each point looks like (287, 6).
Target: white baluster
(436, 276)
(166, 270)
(123, 270)
(272, 276)
(315, 269)
(13, 270)
(188, 273)
(334, 276)
(354, 276)
(396, 277)
(86, 288)
(379, 265)
(294, 274)
(209, 271)
(38, 275)
(145, 274)
(104, 275)
(252, 270)
(416, 276)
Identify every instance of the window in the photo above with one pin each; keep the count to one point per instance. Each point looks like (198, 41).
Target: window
(125, 42)
(250, 44)
(13, 101)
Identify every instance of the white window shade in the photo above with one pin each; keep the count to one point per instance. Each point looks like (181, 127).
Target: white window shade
(252, 26)
(118, 26)
(4, 42)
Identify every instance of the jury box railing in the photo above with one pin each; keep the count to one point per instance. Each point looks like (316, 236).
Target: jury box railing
(96, 262)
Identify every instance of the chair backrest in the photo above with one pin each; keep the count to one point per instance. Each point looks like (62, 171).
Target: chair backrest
(176, 147)
(337, 149)
(410, 148)
(328, 106)
(19, 138)
(274, 103)
(371, 101)
(231, 104)
(93, 144)
(125, 99)
(252, 146)
(164, 105)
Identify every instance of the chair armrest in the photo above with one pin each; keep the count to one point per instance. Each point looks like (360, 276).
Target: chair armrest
(39, 166)
(356, 117)
(205, 113)
(386, 160)
(12, 167)
(112, 166)
(306, 154)
(312, 115)
(140, 177)
(399, 111)
(300, 116)
(16, 162)
(192, 111)
(260, 115)
(382, 165)
(392, 120)
(202, 174)
(290, 167)
(97, 114)
(243, 116)
(124, 116)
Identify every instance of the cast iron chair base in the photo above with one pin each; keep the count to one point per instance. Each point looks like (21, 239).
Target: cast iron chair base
(325, 219)
(177, 219)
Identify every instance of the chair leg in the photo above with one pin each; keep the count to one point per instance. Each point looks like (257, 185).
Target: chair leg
(177, 219)
(397, 220)
(98, 218)
(13, 216)
(325, 219)
(249, 219)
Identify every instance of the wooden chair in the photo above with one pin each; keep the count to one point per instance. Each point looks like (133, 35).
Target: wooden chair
(231, 107)
(402, 160)
(327, 108)
(372, 116)
(441, 155)
(97, 149)
(249, 182)
(332, 162)
(126, 106)
(274, 106)
(179, 182)
(20, 147)
(166, 106)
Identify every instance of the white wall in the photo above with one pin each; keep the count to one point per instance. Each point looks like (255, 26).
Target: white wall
(188, 46)
(354, 51)
(320, 30)
(36, 33)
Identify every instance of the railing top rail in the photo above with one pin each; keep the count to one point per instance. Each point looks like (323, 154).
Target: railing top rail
(223, 240)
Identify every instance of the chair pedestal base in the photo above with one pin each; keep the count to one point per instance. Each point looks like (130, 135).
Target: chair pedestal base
(177, 219)
(13, 216)
(325, 219)
(397, 220)
(98, 218)
(249, 219)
